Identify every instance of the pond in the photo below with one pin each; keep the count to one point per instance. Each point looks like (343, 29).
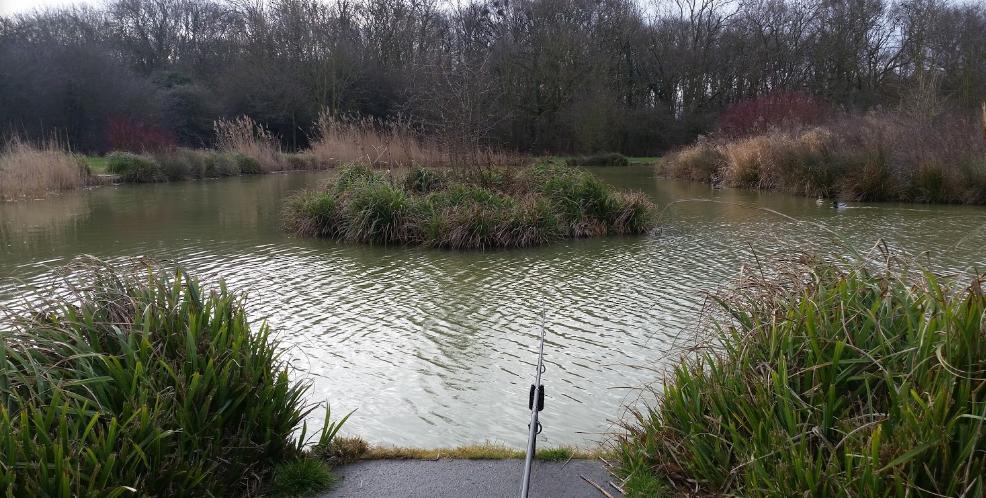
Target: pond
(437, 348)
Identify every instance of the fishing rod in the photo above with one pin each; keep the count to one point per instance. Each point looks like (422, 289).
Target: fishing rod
(535, 403)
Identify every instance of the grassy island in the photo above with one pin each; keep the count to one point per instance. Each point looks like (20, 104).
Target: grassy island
(833, 383)
(467, 209)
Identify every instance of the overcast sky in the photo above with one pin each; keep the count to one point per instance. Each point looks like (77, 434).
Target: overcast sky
(15, 6)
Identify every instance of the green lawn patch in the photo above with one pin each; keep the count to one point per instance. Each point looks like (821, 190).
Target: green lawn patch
(98, 165)
(644, 161)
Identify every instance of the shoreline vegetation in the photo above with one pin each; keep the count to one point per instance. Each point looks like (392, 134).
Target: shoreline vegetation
(477, 208)
(873, 158)
(351, 449)
(824, 380)
(243, 147)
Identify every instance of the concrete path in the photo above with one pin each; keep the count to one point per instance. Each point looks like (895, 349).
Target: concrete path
(468, 479)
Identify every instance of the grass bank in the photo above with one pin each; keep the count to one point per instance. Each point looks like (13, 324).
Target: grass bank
(877, 157)
(467, 209)
(189, 164)
(146, 384)
(827, 382)
(243, 147)
(603, 159)
(348, 449)
(32, 171)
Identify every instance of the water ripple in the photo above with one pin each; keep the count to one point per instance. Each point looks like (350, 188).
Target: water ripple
(436, 348)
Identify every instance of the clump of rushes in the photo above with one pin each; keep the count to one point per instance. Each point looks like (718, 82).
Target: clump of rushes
(140, 383)
(467, 209)
(134, 168)
(300, 478)
(836, 382)
(180, 164)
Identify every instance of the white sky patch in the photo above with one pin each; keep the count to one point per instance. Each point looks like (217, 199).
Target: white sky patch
(8, 7)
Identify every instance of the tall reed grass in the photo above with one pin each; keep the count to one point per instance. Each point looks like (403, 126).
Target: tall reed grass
(830, 381)
(246, 137)
(467, 209)
(32, 171)
(142, 383)
(878, 157)
(357, 139)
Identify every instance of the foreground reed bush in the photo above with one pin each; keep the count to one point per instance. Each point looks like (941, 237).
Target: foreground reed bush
(473, 209)
(344, 140)
(827, 383)
(29, 171)
(889, 157)
(142, 384)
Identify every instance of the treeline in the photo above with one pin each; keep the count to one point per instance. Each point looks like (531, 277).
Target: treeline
(531, 75)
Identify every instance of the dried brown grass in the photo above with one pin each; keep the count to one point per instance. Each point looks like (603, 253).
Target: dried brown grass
(776, 160)
(700, 162)
(876, 157)
(32, 171)
(245, 136)
(358, 139)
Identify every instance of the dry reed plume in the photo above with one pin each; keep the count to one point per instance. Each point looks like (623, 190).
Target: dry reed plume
(372, 142)
(28, 170)
(245, 136)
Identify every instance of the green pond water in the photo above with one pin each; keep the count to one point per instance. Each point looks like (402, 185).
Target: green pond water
(437, 348)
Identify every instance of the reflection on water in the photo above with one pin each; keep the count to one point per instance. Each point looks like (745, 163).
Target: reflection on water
(436, 348)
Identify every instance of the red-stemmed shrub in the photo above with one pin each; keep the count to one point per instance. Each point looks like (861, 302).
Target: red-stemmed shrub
(775, 110)
(127, 134)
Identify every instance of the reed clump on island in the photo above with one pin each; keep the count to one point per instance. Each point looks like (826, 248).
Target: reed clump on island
(873, 157)
(141, 383)
(828, 381)
(467, 209)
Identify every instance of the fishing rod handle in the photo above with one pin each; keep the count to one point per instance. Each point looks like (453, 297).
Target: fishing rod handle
(540, 397)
